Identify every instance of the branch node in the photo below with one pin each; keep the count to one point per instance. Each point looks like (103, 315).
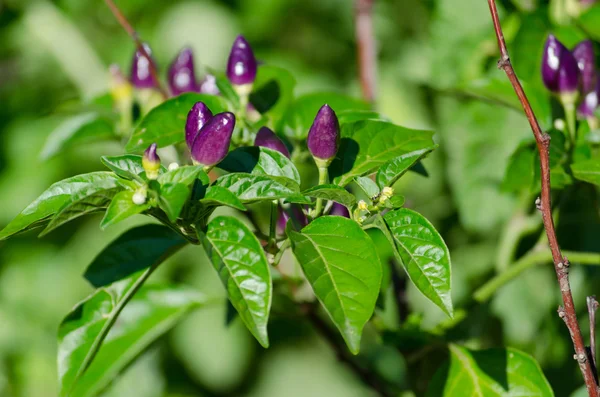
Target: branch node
(503, 62)
(546, 139)
(561, 312)
(581, 358)
(538, 203)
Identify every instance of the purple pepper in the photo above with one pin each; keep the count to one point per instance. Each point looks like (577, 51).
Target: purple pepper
(212, 143)
(267, 138)
(197, 117)
(589, 104)
(141, 75)
(209, 85)
(584, 55)
(181, 73)
(284, 217)
(339, 210)
(151, 162)
(241, 66)
(324, 135)
(560, 72)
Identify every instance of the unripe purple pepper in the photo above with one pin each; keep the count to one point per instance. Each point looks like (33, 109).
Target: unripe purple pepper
(339, 210)
(560, 72)
(284, 217)
(212, 143)
(181, 73)
(584, 55)
(590, 102)
(267, 138)
(151, 162)
(197, 117)
(324, 136)
(141, 76)
(241, 66)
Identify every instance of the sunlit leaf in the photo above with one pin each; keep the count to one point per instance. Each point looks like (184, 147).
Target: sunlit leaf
(122, 207)
(391, 171)
(251, 188)
(260, 161)
(333, 193)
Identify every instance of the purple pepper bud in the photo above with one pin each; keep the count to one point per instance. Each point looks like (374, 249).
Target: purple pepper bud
(141, 76)
(151, 162)
(584, 55)
(181, 73)
(212, 143)
(241, 66)
(267, 138)
(339, 210)
(197, 117)
(209, 85)
(589, 104)
(324, 136)
(284, 217)
(560, 72)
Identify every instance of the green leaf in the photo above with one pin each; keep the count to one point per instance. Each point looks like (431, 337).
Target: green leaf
(367, 145)
(226, 89)
(185, 175)
(333, 193)
(252, 188)
(367, 185)
(587, 171)
(242, 265)
(492, 372)
(165, 124)
(122, 207)
(137, 249)
(301, 114)
(273, 91)
(260, 161)
(342, 266)
(217, 195)
(78, 130)
(172, 199)
(590, 22)
(152, 312)
(59, 196)
(391, 171)
(520, 172)
(128, 166)
(350, 116)
(423, 254)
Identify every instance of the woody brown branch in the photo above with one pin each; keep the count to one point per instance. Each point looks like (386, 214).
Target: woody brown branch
(561, 264)
(367, 57)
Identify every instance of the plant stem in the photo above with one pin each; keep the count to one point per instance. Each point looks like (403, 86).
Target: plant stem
(272, 244)
(592, 305)
(284, 246)
(323, 179)
(570, 115)
(560, 263)
(367, 56)
(138, 43)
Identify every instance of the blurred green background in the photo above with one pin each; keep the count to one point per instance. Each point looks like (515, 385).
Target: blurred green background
(52, 53)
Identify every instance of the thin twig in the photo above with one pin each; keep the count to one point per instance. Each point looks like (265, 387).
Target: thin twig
(561, 264)
(367, 56)
(138, 43)
(366, 376)
(592, 305)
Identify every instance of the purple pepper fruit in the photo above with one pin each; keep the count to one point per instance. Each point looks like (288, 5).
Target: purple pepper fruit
(241, 66)
(181, 73)
(560, 72)
(584, 55)
(141, 76)
(212, 142)
(339, 210)
(324, 135)
(151, 162)
(267, 138)
(589, 104)
(197, 117)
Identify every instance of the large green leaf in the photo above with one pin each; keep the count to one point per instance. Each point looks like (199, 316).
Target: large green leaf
(391, 171)
(341, 264)
(332, 192)
(83, 369)
(128, 166)
(217, 195)
(260, 161)
(185, 175)
(173, 197)
(590, 21)
(494, 372)
(587, 170)
(122, 207)
(252, 188)
(78, 130)
(137, 249)
(242, 265)
(423, 254)
(273, 91)
(367, 145)
(57, 197)
(301, 114)
(165, 124)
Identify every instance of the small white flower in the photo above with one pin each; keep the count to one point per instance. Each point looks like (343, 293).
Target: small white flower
(139, 197)
(173, 166)
(559, 124)
(387, 191)
(362, 205)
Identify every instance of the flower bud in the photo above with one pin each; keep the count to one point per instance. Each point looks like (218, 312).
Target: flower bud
(560, 72)
(141, 76)
(324, 136)
(120, 88)
(197, 117)
(151, 162)
(362, 206)
(584, 55)
(339, 210)
(209, 85)
(212, 143)
(139, 197)
(267, 138)
(241, 66)
(173, 166)
(181, 73)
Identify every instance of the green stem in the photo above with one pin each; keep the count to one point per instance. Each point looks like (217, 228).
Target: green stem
(323, 179)
(286, 244)
(532, 259)
(519, 226)
(272, 244)
(570, 115)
